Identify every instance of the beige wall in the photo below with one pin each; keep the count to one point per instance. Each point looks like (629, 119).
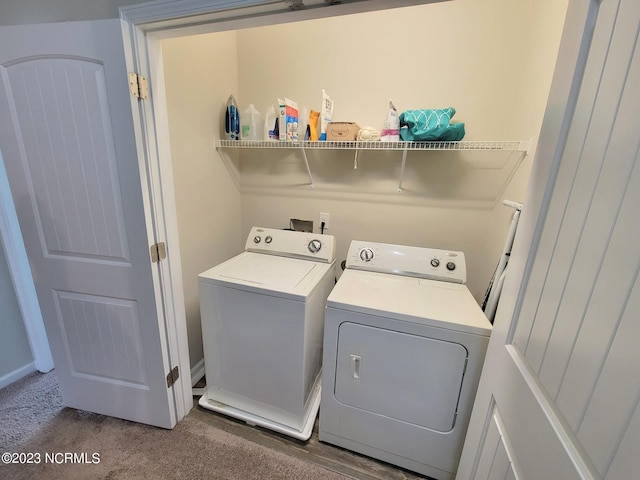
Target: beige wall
(492, 60)
(546, 19)
(207, 202)
(464, 53)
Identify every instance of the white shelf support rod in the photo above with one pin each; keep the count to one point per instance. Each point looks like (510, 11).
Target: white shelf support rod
(404, 162)
(233, 171)
(355, 159)
(306, 162)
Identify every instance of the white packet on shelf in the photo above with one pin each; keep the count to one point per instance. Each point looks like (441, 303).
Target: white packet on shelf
(326, 114)
(391, 130)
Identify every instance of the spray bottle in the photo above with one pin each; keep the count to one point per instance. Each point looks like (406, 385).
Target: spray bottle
(231, 120)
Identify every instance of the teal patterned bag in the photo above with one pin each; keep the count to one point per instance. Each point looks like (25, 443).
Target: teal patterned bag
(430, 125)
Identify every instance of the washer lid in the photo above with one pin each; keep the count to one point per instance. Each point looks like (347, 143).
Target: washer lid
(429, 302)
(255, 271)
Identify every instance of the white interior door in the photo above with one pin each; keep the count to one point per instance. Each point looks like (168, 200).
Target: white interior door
(559, 395)
(66, 133)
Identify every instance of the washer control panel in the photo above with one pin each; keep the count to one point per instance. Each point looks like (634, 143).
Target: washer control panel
(288, 243)
(366, 254)
(422, 262)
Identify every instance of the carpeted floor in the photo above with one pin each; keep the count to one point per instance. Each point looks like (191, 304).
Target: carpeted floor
(26, 406)
(34, 421)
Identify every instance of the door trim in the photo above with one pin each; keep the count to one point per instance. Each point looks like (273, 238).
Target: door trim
(163, 15)
(159, 206)
(21, 278)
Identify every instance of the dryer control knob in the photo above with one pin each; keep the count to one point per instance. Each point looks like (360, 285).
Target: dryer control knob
(435, 262)
(366, 254)
(268, 239)
(451, 266)
(314, 246)
(257, 239)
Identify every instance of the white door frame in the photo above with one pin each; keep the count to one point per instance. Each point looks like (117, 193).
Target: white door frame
(143, 27)
(159, 206)
(21, 277)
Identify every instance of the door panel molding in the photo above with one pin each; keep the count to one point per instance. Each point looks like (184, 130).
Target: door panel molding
(69, 122)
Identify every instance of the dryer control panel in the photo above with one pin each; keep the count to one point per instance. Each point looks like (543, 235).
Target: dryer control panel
(422, 262)
(288, 243)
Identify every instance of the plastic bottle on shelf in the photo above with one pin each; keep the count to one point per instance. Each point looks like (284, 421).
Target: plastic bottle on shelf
(303, 121)
(231, 120)
(269, 124)
(251, 123)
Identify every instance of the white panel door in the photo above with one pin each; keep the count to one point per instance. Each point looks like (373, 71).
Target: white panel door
(66, 134)
(559, 395)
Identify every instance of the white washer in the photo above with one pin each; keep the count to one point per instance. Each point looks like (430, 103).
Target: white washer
(404, 344)
(262, 327)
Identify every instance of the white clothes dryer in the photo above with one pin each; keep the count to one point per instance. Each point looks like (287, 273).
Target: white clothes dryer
(262, 316)
(404, 344)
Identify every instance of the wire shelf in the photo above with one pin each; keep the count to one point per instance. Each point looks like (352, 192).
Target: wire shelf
(404, 147)
(512, 145)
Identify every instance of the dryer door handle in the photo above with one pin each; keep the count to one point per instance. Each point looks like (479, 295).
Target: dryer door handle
(355, 366)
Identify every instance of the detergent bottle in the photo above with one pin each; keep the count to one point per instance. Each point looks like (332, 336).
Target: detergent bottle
(231, 120)
(251, 124)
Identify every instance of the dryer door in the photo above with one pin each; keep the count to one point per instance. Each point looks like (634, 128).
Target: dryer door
(402, 376)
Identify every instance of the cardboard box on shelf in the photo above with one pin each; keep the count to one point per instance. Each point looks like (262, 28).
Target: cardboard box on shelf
(342, 131)
(288, 120)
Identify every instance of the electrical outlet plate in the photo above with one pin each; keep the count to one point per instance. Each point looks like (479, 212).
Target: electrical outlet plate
(324, 217)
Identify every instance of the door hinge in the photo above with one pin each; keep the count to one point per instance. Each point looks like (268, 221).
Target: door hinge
(138, 86)
(172, 376)
(158, 252)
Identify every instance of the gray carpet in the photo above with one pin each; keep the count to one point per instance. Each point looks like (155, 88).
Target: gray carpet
(25, 406)
(33, 419)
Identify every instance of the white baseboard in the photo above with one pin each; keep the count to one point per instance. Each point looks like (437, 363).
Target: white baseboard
(17, 374)
(197, 372)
